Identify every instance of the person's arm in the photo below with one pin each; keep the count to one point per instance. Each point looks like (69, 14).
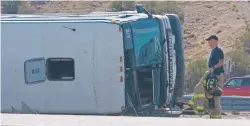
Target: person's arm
(220, 57)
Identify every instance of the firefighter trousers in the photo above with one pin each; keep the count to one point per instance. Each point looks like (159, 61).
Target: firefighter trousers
(200, 102)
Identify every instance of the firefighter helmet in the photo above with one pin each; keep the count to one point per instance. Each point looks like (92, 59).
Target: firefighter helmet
(211, 82)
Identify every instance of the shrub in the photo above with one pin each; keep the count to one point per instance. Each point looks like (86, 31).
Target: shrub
(16, 7)
(154, 7)
(194, 71)
(10, 7)
(161, 7)
(241, 54)
(169, 7)
(123, 5)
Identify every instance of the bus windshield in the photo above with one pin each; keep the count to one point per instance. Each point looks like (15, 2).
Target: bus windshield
(146, 36)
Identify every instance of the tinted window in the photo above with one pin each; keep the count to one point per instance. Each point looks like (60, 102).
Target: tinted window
(147, 39)
(60, 69)
(246, 82)
(234, 82)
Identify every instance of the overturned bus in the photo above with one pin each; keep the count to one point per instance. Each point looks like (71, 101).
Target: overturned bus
(99, 63)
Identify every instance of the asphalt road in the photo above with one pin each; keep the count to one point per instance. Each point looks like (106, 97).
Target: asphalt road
(80, 120)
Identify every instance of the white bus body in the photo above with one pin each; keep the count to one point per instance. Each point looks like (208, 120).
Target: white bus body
(96, 50)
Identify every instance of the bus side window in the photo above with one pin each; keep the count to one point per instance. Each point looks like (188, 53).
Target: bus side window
(60, 69)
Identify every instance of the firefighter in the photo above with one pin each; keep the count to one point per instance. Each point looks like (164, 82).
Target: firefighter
(203, 100)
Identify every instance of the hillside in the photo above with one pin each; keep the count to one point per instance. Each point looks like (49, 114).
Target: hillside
(226, 19)
(201, 19)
